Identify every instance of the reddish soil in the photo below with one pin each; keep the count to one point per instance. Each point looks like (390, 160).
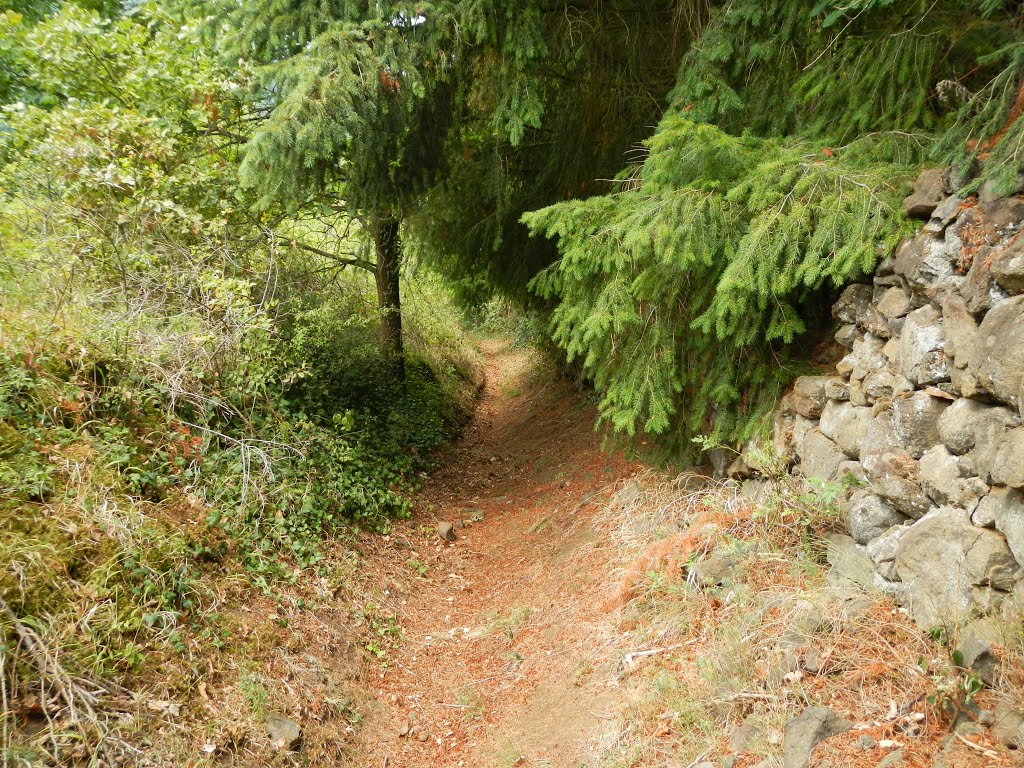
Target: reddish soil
(502, 630)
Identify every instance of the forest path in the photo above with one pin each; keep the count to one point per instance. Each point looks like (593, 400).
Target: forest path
(504, 639)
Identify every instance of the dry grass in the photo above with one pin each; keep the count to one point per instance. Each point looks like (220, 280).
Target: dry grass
(778, 636)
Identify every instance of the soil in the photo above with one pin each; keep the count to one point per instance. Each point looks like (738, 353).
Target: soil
(502, 629)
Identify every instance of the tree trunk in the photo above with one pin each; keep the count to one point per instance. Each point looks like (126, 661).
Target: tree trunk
(389, 299)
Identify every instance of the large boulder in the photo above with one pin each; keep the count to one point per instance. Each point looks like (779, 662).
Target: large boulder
(820, 457)
(846, 425)
(958, 424)
(1007, 467)
(962, 343)
(952, 570)
(869, 516)
(923, 347)
(807, 730)
(1008, 266)
(895, 303)
(883, 551)
(915, 421)
(808, 396)
(853, 303)
(992, 436)
(895, 477)
(1000, 360)
(1007, 509)
(944, 480)
(925, 260)
(928, 191)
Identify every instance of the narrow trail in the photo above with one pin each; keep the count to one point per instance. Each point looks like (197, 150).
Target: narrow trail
(503, 632)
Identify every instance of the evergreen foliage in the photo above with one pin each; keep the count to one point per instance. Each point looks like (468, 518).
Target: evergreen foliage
(773, 179)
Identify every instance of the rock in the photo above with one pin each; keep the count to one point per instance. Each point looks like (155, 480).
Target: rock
(715, 570)
(846, 425)
(880, 435)
(284, 733)
(893, 760)
(837, 388)
(942, 479)
(946, 212)
(922, 347)
(801, 427)
(853, 303)
(1008, 267)
(744, 736)
(1009, 725)
(807, 730)
(915, 421)
(950, 567)
(847, 335)
(1007, 466)
(979, 657)
(957, 424)
(895, 302)
(1006, 508)
(820, 457)
(808, 397)
(446, 531)
(404, 728)
(984, 515)
(1000, 359)
(894, 477)
(883, 551)
(929, 191)
(852, 473)
(925, 260)
(870, 516)
(990, 430)
(849, 562)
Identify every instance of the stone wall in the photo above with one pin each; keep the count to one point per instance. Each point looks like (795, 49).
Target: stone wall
(925, 411)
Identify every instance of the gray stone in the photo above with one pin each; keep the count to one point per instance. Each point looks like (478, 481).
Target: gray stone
(878, 385)
(744, 736)
(1009, 725)
(847, 334)
(1007, 466)
(870, 516)
(883, 551)
(895, 302)
(837, 388)
(922, 347)
(1008, 266)
(853, 303)
(943, 480)
(801, 427)
(820, 457)
(284, 733)
(849, 561)
(915, 421)
(957, 424)
(895, 477)
(852, 470)
(947, 211)
(808, 396)
(893, 760)
(715, 570)
(928, 192)
(880, 435)
(846, 425)
(990, 429)
(950, 568)
(446, 531)
(1006, 508)
(984, 515)
(807, 730)
(925, 260)
(979, 657)
(1000, 359)
(962, 344)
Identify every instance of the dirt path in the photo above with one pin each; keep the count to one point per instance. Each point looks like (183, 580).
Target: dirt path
(503, 635)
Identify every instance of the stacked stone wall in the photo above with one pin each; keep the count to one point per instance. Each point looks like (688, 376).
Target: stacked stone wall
(925, 411)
